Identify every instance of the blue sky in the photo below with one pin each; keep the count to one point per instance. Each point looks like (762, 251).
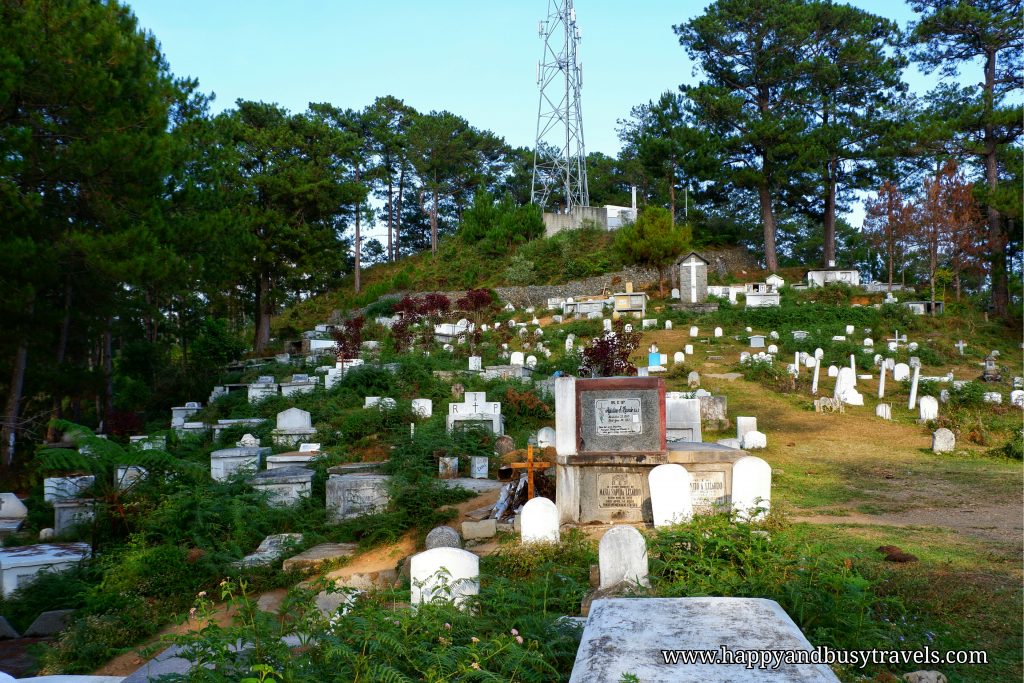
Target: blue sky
(476, 59)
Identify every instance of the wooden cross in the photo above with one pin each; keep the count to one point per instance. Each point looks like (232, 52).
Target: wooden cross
(530, 466)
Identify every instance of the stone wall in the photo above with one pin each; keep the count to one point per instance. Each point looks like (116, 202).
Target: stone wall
(733, 259)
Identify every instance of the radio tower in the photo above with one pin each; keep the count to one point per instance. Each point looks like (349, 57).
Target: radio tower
(559, 156)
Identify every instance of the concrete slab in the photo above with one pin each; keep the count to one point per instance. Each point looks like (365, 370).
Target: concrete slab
(629, 636)
(318, 555)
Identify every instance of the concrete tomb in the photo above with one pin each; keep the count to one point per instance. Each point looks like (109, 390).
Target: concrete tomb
(476, 410)
(293, 425)
(359, 493)
(622, 558)
(629, 636)
(228, 461)
(682, 417)
(285, 485)
(19, 565)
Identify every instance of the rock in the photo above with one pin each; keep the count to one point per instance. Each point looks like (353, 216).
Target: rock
(6, 630)
(319, 554)
(943, 441)
(504, 445)
(458, 391)
(49, 623)
(924, 677)
(443, 537)
(47, 534)
(486, 528)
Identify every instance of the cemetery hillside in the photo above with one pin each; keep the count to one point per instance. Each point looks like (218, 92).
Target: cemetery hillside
(367, 393)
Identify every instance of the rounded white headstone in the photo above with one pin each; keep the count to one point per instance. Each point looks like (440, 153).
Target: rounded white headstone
(751, 487)
(694, 331)
(678, 357)
(833, 371)
(884, 411)
(754, 440)
(928, 407)
(718, 331)
(443, 575)
(900, 372)
(539, 521)
(688, 349)
(622, 557)
(670, 494)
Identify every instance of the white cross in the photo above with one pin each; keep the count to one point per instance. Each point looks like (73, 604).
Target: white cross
(960, 345)
(692, 265)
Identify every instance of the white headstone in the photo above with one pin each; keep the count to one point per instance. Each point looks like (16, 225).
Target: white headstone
(881, 381)
(754, 440)
(622, 557)
(744, 425)
(678, 357)
(531, 361)
(670, 494)
(845, 389)
(819, 353)
(718, 331)
(294, 418)
(675, 293)
(517, 358)
(992, 397)
(309, 448)
(772, 348)
(929, 407)
(668, 324)
(444, 575)
(751, 487)
(422, 407)
(833, 371)
(884, 411)
(814, 379)
(539, 521)
(901, 372)
(694, 331)
(915, 378)
(475, 363)
(688, 349)
(850, 329)
(1017, 397)
(943, 441)
(248, 441)
(546, 437)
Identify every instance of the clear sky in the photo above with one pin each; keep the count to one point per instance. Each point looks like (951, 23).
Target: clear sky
(475, 59)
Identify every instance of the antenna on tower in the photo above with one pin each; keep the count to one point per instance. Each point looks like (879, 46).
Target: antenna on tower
(559, 156)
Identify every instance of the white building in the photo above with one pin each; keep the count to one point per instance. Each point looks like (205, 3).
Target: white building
(761, 294)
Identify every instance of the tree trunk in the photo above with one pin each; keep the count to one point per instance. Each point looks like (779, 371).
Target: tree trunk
(996, 235)
(12, 410)
(398, 211)
(830, 214)
(933, 266)
(391, 217)
(62, 349)
(672, 194)
(433, 224)
(264, 310)
(359, 245)
(108, 373)
(768, 219)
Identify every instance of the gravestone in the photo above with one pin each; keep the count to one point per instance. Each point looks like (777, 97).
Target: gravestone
(478, 466)
(943, 441)
(992, 397)
(476, 363)
(627, 639)
(1017, 398)
(668, 324)
(693, 379)
(675, 293)
(845, 390)
(678, 357)
(670, 494)
(833, 371)
(546, 437)
(884, 411)
(55, 488)
(682, 417)
(751, 488)
(293, 425)
(901, 372)
(688, 349)
(70, 512)
(359, 493)
(622, 558)
(744, 425)
(753, 440)
(443, 537)
(448, 467)
(476, 410)
(539, 521)
(444, 575)
(422, 407)
(248, 441)
(929, 408)
(757, 341)
(693, 279)
(694, 331)
(517, 358)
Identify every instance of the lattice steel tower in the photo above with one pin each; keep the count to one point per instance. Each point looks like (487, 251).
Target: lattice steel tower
(559, 156)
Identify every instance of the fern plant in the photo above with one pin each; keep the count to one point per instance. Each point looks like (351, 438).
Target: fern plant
(101, 458)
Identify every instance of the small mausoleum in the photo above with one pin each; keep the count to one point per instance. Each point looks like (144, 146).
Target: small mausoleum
(832, 275)
(693, 279)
